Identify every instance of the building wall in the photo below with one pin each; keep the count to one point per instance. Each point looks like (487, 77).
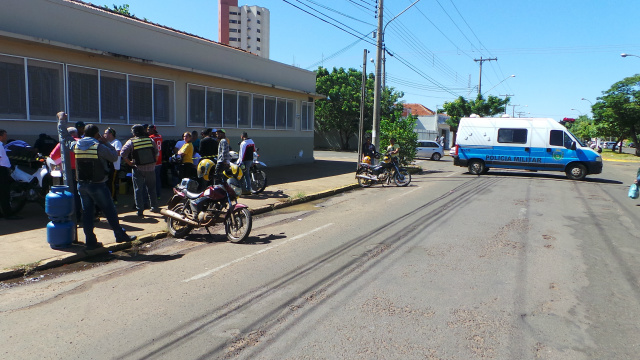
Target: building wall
(74, 72)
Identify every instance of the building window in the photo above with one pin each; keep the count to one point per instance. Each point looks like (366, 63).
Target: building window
(291, 114)
(232, 21)
(197, 105)
(230, 108)
(113, 97)
(233, 30)
(233, 13)
(46, 89)
(307, 116)
(83, 94)
(257, 121)
(233, 39)
(258, 48)
(13, 99)
(244, 110)
(214, 107)
(258, 21)
(162, 102)
(140, 100)
(258, 39)
(258, 30)
(258, 12)
(269, 112)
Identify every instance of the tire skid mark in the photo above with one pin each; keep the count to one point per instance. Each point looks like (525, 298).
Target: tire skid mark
(272, 324)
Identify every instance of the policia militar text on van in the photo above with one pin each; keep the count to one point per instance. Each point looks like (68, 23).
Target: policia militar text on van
(539, 144)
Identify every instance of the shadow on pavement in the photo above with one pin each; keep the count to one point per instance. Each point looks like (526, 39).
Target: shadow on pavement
(301, 172)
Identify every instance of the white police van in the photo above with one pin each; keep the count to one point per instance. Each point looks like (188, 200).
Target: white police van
(522, 143)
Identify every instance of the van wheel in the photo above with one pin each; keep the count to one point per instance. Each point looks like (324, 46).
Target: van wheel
(436, 156)
(576, 172)
(476, 167)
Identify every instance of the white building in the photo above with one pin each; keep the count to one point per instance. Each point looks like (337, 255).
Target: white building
(245, 27)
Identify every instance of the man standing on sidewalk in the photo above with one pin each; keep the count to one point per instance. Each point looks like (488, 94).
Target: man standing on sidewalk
(141, 153)
(92, 154)
(157, 139)
(5, 179)
(224, 158)
(245, 156)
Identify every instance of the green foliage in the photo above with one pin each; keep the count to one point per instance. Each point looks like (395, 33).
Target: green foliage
(462, 107)
(340, 111)
(123, 9)
(402, 129)
(617, 112)
(583, 128)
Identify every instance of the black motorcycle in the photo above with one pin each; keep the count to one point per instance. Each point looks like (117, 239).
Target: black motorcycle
(389, 168)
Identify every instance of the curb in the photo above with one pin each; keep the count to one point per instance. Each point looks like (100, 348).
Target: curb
(65, 259)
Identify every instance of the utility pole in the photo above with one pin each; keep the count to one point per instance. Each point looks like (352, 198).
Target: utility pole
(375, 137)
(513, 109)
(362, 101)
(505, 101)
(481, 60)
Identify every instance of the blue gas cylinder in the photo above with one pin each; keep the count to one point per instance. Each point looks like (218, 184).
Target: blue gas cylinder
(59, 203)
(59, 207)
(60, 235)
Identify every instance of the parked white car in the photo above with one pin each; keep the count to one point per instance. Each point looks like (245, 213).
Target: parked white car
(429, 149)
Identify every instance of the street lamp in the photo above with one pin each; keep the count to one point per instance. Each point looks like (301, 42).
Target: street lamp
(375, 136)
(508, 77)
(625, 55)
(587, 100)
(579, 112)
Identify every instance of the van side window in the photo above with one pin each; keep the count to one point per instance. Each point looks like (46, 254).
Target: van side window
(559, 138)
(514, 136)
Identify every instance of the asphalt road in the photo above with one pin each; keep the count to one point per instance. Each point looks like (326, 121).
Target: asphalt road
(508, 265)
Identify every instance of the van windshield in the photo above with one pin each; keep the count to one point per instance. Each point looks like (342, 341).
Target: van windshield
(576, 139)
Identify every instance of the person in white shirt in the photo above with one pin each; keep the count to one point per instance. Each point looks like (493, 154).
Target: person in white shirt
(113, 183)
(245, 156)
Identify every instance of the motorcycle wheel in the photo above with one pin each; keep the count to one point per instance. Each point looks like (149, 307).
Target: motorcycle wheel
(178, 228)
(258, 181)
(365, 183)
(402, 177)
(17, 197)
(238, 230)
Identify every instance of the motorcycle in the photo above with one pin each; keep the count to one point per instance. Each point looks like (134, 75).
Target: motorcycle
(388, 169)
(31, 176)
(258, 177)
(189, 209)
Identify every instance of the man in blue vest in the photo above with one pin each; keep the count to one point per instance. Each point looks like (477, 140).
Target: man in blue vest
(141, 153)
(92, 154)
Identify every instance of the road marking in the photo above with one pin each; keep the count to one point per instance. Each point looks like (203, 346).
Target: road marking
(403, 194)
(207, 273)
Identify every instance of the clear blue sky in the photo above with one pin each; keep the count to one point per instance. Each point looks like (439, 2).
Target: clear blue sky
(560, 51)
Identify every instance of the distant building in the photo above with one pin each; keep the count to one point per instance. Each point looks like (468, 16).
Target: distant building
(429, 125)
(244, 27)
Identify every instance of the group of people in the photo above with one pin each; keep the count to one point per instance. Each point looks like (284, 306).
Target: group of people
(205, 160)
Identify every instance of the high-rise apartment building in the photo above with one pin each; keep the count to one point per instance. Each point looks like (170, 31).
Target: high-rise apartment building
(245, 27)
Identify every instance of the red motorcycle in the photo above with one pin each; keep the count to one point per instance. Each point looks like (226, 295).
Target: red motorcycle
(189, 209)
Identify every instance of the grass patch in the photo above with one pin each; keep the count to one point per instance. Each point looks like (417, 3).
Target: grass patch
(608, 154)
(27, 269)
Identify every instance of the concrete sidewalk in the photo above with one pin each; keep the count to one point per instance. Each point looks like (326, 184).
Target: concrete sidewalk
(24, 247)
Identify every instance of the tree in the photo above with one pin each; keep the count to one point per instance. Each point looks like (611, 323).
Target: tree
(617, 112)
(462, 107)
(340, 111)
(123, 9)
(402, 129)
(582, 127)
